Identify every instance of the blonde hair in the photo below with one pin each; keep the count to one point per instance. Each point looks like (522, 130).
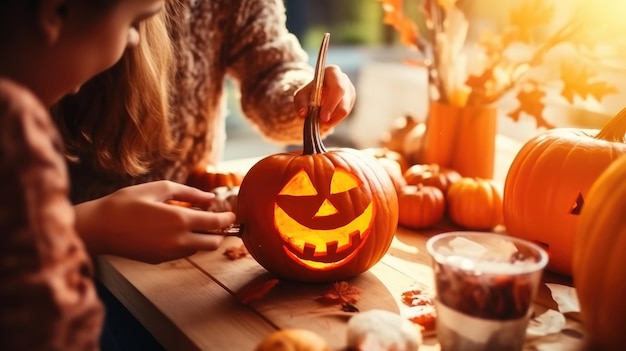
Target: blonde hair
(119, 119)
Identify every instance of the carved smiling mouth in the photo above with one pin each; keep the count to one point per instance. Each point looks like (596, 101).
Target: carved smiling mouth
(323, 248)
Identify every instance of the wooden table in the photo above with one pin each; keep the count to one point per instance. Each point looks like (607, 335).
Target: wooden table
(190, 304)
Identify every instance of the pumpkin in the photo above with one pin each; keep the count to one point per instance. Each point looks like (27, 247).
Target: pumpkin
(414, 144)
(420, 206)
(392, 162)
(548, 182)
(599, 263)
(317, 215)
(394, 138)
(431, 174)
(475, 203)
(225, 199)
(293, 339)
(210, 178)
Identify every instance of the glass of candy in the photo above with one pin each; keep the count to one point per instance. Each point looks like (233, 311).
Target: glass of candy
(485, 284)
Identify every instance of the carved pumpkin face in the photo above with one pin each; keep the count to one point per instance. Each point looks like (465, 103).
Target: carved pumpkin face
(321, 217)
(319, 227)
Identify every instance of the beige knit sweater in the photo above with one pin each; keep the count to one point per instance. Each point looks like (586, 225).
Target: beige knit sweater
(245, 40)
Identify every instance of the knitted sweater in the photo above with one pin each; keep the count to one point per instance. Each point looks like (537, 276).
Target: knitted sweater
(245, 40)
(47, 296)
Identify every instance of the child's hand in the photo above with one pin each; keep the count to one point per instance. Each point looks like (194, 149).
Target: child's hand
(338, 96)
(136, 222)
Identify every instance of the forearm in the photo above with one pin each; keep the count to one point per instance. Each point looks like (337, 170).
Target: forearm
(89, 229)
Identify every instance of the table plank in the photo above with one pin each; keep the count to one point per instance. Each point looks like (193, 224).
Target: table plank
(182, 307)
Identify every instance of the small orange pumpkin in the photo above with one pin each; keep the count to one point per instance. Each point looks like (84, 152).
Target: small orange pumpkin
(548, 182)
(431, 174)
(420, 206)
(392, 162)
(394, 139)
(599, 260)
(294, 339)
(210, 178)
(475, 203)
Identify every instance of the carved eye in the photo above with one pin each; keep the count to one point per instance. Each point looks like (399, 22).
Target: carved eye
(343, 181)
(299, 185)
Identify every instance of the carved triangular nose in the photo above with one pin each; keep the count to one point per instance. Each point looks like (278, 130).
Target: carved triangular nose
(326, 209)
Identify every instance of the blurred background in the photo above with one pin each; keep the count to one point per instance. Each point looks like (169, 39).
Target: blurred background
(388, 88)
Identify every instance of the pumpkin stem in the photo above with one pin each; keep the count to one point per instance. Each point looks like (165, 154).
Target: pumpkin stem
(311, 138)
(615, 129)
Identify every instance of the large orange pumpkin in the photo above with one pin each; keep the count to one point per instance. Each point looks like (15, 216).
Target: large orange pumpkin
(599, 270)
(317, 216)
(548, 182)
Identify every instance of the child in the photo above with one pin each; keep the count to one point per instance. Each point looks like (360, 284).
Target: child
(49, 48)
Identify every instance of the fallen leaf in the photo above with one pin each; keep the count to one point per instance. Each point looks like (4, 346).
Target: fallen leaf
(236, 252)
(256, 290)
(417, 297)
(425, 316)
(343, 293)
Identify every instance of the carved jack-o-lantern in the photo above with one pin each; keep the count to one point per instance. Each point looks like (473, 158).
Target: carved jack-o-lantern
(317, 217)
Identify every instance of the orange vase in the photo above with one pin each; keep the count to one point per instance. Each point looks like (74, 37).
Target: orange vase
(461, 138)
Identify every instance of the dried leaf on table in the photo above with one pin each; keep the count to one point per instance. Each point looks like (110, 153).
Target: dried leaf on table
(549, 322)
(256, 289)
(421, 310)
(236, 252)
(565, 297)
(416, 297)
(425, 316)
(343, 293)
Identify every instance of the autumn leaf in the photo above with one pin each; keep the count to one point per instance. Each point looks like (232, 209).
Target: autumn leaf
(395, 17)
(531, 103)
(478, 82)
(343, 293)
(256, 289)
(577, 81)
(236, 252)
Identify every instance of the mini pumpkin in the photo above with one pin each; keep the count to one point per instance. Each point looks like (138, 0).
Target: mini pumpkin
(392, 162)
(599, 260)
(420, 206)
(475, 203)
(432, 175)
(548, 182)
(394, 138)
(293, 339)
(211, 177)
(225, 199)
